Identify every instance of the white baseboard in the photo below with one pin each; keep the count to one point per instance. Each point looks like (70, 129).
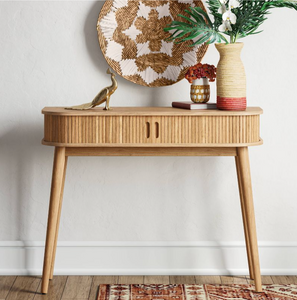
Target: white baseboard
(147, 258)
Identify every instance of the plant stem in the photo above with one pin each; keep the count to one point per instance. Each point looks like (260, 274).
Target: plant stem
(233, 38)
(236, 37)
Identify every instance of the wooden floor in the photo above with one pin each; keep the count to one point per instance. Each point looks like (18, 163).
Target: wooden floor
(85, 287)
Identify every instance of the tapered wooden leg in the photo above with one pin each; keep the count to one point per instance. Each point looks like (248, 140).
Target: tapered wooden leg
(244, 220)
(57, 182)
(58, 221)
(244, 167)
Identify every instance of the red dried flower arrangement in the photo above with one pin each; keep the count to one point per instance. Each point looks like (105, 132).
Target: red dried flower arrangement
(201, 71)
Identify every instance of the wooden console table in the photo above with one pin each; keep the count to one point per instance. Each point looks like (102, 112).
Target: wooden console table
(151, 131)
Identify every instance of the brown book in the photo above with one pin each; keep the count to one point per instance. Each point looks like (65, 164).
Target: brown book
(192, 105)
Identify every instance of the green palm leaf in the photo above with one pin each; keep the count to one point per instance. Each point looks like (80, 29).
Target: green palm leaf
(197, 24)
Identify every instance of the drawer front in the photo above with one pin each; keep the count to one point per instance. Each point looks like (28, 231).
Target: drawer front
(140, 130)
(191, 130)
(83, 129)
(156, 130)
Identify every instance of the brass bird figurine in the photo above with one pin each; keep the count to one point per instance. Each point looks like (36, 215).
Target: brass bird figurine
(102, 96)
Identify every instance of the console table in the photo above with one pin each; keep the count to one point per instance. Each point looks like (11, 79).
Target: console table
(151, 131)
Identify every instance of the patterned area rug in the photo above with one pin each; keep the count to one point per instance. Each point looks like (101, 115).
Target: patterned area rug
(195, 292)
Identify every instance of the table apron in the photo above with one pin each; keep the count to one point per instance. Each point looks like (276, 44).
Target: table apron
(151, 151)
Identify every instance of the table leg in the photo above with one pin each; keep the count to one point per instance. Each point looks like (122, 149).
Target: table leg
(244, 168)
(58, 221)
(56, 188)
(244, 220)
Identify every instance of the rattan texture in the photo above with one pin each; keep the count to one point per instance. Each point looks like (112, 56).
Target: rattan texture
(231, 78)
(134, 44)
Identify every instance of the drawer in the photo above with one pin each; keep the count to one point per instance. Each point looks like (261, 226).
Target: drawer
(141, 130)
(187, 130)
(155, 130)
(83, 129)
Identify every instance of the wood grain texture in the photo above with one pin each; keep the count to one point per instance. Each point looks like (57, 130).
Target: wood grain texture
(182, 280)
(280, 279)
(131, 279)
(260, 142)
(24, 288)
(264, 279)
(58, 221)
(267, 280)
(156, 279)
(208, 279)
(152, 126)
(55, 290)
(234, 280)
(55, 198)
(77, 287)
(291, 279)
(244, 219)
(244, 169)
(151, 151)
(148, 111)
(6, 283)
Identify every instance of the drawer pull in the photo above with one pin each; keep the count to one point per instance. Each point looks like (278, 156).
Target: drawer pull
(157, 129)
(148, 129)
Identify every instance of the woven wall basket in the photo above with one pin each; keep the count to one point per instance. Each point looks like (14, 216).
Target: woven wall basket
(134, 44)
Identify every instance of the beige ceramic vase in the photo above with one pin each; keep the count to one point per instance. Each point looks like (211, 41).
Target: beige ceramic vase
(231, 79)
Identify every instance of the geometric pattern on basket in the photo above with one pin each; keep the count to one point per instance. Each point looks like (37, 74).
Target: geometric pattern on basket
(200, 93)
(195, 292)
(134, 44)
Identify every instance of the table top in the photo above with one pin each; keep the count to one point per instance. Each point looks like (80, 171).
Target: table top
(149, 111)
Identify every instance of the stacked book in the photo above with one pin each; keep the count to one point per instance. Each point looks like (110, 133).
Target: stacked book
(192, 105)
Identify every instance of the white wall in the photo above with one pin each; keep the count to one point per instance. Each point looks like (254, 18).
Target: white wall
(49, 56)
